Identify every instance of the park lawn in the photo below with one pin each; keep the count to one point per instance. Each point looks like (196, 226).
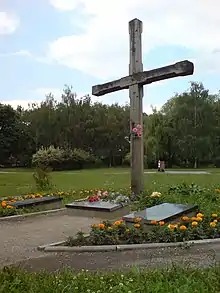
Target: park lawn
(82, 183)
(22, 182)
(176, 279)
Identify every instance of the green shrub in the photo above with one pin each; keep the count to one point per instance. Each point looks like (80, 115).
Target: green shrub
(42, 178)
(63, 159)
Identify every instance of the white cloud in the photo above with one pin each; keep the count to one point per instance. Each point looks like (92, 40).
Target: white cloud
(102, 49)
(64, 5)
(24, 53)
(44, 91)
(8, 23)
(23, 103)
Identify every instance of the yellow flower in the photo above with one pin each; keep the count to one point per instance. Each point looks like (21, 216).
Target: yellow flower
(199, 215)
(156, 194)
(137, 220)
(110, 229)
(161, 223)
(212, 224)
(194, 224)
(199, 219)
(137, 225)
(185, 218)
(153, 222)
(214, 215)
(171, 226)
(194, 219)
(215, 221)
(127, 230)
(94, 226)
(183, 228)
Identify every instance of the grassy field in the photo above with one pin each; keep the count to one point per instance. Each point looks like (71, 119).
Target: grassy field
(159, 281)
(17, 182)
(177, 279)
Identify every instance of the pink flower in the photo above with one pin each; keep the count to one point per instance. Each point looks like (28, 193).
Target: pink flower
(134, 130)
(139, 134)
(105, 193)
(139, 127)
(99, 193)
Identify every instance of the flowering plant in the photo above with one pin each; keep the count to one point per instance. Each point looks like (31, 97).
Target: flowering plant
(194, 228)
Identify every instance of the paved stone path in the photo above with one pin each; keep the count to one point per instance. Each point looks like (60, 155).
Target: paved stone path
(19, 240)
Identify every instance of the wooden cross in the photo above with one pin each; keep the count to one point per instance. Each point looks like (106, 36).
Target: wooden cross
(135, 81)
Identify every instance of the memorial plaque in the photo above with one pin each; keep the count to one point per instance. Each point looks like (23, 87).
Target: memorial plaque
(100, 209)
(36, 201)
(162, 212)
(105, 206)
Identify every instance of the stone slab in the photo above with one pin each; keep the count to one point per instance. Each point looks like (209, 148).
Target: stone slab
(95, 206)
(162, 212)
(36, 201)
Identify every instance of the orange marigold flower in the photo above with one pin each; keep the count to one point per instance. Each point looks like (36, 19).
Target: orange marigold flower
(137, 220)
(101, 226)
(194, 224)
(185, 218)
(137, 225)
(9, 207)
(117, 223)
(199, 219)
(200, 215)
(161, 223)
(183, 228)
(194, 218)
(217, 190)
(214, 215)
(3, 203)
(212, 224)
(153, 222)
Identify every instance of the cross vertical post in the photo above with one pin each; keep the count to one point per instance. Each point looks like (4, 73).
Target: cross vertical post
(135, 82)
(136, 107)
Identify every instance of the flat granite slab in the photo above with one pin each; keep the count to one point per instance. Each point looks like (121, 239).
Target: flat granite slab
(105, 206)
(162, 212)
(36, 201)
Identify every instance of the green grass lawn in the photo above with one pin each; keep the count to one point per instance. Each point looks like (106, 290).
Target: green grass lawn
(21, 182)
(158, 281)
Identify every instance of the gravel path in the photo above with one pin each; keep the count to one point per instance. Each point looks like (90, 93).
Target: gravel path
(19, 240)
(206, 256)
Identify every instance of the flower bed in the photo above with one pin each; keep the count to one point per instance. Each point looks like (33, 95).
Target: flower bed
(107, 233)
(7, 209)
(115, 197)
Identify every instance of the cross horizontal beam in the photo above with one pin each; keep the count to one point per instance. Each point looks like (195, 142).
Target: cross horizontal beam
(181, 68)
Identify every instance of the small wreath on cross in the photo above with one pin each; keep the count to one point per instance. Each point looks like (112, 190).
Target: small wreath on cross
(136, 130)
